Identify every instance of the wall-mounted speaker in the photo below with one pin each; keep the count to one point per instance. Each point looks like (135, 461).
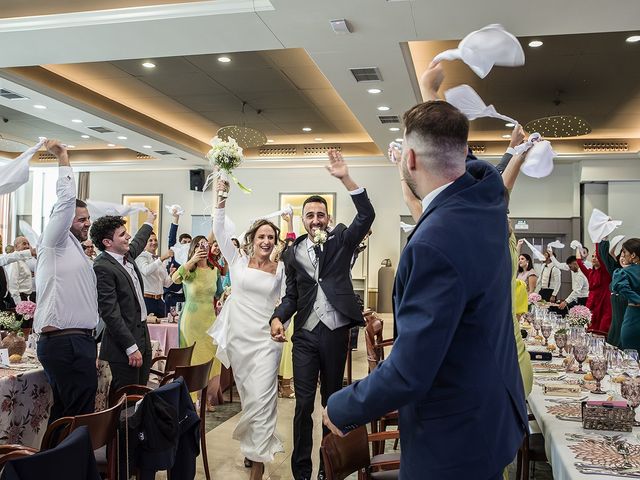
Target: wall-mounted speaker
(196, 179)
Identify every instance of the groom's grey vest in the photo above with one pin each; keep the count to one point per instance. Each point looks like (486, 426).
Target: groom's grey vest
(322, 311)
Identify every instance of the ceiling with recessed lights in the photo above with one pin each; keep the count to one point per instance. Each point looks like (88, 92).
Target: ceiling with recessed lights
(292, 71)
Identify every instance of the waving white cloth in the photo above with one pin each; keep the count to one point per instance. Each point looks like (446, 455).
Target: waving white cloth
(601, 225)
(175, 210)
(101, 209)
(484, 48)
(615, 245)
(536, 253)
(555, 244)
(15, 173)
(575, 244)
(467, 100)
(539, 161)
(406, 228)
(29, 233)
(181, 252)
(288, 210)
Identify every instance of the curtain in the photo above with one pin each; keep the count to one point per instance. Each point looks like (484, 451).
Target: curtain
(83, 186)
(6, 220)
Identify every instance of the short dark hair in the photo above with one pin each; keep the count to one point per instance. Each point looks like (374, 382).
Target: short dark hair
(315, 199)
(183, 236)
(586, 249)
(571, 259)
(80, 203)
(105, 227)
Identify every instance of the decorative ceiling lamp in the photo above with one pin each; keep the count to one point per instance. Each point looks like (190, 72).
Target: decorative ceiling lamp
(244, 136)
(9, 145)
(559, 126)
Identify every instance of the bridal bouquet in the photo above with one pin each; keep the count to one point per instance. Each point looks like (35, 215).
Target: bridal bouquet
(579, 316)
(534, 298)
(27, 309)
(225, 156)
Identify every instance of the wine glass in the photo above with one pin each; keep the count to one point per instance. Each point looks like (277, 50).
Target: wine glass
(537, 324)
(546, 332)
(630, 390)
(172, 313)
(580, 352)
(179, 307)
(598, 366)
(561, 341)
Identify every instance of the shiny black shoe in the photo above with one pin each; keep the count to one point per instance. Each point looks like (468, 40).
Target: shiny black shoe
(247, 463)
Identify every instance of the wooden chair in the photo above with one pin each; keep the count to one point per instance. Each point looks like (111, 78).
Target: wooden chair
(176, 357)
(103, 430)
(531, 451)
(196, 378)
(343, 456)
(132, 392)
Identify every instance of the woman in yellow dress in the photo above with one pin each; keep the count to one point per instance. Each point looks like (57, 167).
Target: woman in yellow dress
(199, 280)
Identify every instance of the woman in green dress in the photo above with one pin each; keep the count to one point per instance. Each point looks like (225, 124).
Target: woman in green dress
(199, 279)
(626, 282)
(618, 302)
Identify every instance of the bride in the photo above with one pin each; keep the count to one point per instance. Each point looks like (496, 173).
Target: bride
(243, 335)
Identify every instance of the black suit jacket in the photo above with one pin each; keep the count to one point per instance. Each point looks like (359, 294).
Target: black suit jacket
(118, 303)
(334, 273)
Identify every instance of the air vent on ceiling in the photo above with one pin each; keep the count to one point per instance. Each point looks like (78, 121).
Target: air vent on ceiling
(389, 119)
(9, 95)
(319, 150)
(278, 151)
(606, 147)
(101, 129)
(143, 156)
(43, 157)
(163, 152)
(369, 74)
(478, 149)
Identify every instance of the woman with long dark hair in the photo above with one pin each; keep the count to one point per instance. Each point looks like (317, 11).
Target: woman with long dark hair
(626, 282)
(526, 272)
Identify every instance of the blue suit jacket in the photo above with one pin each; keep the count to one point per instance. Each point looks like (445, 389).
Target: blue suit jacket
(453, 370)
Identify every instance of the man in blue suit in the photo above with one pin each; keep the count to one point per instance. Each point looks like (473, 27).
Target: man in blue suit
(453, 370)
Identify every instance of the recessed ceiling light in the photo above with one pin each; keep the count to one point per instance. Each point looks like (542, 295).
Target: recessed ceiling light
(306, 129)
(85, 136)
(40, 107)
(76, 120)
(224, 59)
(149, 65)
(506, 136)
(535, 43)
(147, 146)
(633, 39)
(270, 141)
(318, 139)
(121, 137)
(71, 146)
(111, 145)
(399, 139)
(374, 90)
(383, 108)
(509, 125)
(394, 129)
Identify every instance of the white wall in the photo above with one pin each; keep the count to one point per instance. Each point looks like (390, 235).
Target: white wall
(596, 195)
(623, 205)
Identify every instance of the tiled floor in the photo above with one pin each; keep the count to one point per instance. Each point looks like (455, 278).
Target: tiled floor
(226, 461)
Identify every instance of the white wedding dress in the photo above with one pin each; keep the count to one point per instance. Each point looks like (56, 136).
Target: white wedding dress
(243, 336)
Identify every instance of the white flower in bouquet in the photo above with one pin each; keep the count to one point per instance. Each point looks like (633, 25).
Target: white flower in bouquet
(319, 237)
(225, 156)
(579, 316)
(9, 321)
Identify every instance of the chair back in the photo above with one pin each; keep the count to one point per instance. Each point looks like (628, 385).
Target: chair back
(373, 336)
(178, 357)
(345, 455)
(196, 377)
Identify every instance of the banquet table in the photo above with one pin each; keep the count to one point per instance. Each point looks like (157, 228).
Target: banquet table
(574, 452)
(166, 334)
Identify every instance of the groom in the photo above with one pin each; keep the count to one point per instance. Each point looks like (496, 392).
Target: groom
(320, 293)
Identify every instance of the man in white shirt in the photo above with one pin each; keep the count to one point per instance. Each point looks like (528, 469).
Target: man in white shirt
(579, 286)
(549, 280)
(125, 342)
(67, 309)
(6, 301)
(21, 274)
(155, 276)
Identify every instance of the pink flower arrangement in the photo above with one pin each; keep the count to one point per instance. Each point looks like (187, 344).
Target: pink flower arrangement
(534, 298)
(27, 309)
(579, 316)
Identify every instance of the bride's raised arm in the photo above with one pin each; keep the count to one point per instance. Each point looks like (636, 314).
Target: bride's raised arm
(223, 237)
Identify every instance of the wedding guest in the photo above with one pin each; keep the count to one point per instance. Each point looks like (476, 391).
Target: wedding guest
(549, 281)
(580, 288)
(174, 293)
(285, 372)
(252, 355)
(526, 272)
(67, 310)
(599, 301)
(199, 279)
(89, 249)
(611, 263)
(21, 274)
(320, 294)
(125, 341)
(626, 282)
(447, 319)
(154, 276)
(6, 300)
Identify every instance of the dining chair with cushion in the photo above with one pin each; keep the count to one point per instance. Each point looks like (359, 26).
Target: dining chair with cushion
(176, 357)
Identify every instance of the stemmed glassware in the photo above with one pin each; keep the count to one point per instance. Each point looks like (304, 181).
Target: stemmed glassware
(580, 352)
(546, 332)
(631, 362)
(598, 366)
(630, 390)
(561, 341)
(537, 323)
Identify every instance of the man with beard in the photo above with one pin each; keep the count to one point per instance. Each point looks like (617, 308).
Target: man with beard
(67, 310)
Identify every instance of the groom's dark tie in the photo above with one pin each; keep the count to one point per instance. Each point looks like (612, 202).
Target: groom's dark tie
(316, 249)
